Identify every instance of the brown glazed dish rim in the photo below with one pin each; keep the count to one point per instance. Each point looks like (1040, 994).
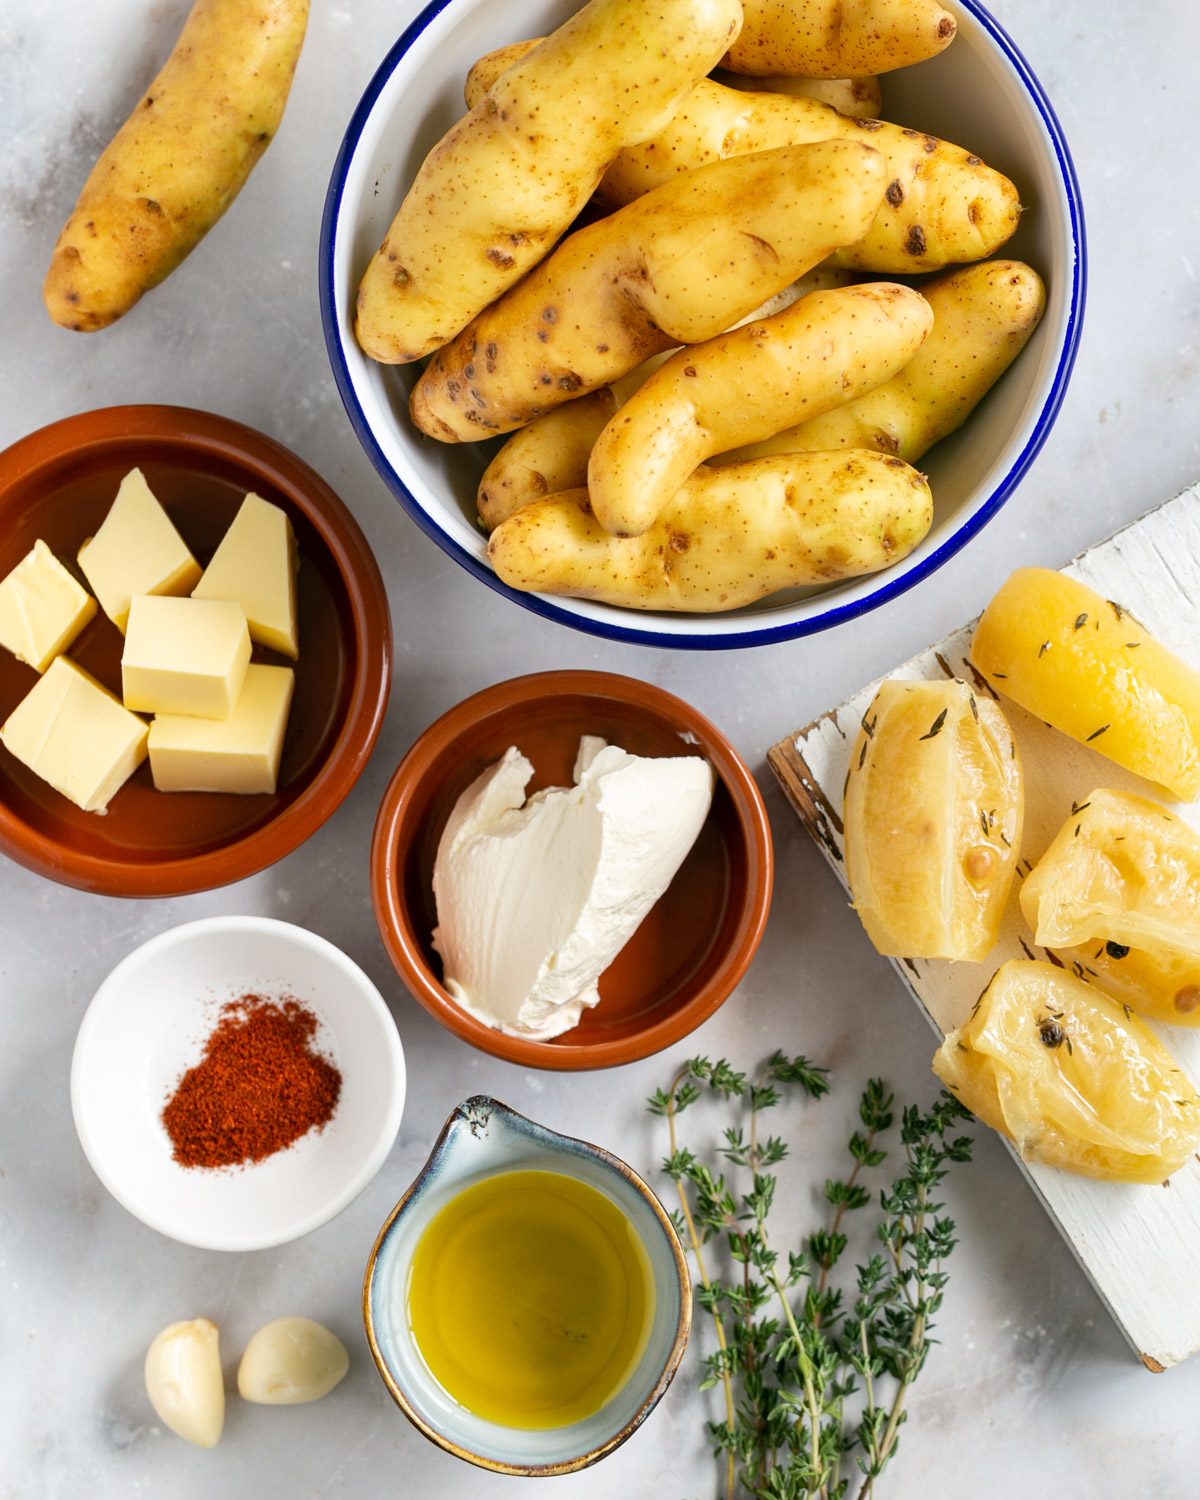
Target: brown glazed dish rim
(197, 431)
(427, 756)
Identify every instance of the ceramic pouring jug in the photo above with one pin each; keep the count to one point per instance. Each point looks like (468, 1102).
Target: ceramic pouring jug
(481, 1138)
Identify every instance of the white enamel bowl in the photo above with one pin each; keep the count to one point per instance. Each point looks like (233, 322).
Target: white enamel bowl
(980, 93)
(148, 1022)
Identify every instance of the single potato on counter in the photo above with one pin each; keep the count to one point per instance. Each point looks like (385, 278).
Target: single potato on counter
(983, 316)
(678, 266)
(179, 160)
(823, 350)
(942, 205)
(503, 184)
(729, 537)
(839, 38)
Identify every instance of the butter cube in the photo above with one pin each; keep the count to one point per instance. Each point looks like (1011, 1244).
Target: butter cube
(42, 608)
(255, 566)
(184, 656)
(238, 754)
(136, 551)
(74, 734)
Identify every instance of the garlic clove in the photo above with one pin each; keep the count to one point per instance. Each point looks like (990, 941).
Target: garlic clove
(291, 1360)
(184, 1381)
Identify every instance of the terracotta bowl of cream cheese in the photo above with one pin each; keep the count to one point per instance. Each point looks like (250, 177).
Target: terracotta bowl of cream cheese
(695, 944)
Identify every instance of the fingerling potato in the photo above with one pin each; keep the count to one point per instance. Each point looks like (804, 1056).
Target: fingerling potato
(178, 161)
(983, 316)
(728, 537)
(678, 266)
(839, 38)
(500, 187)
(820, 352)
(943, 205)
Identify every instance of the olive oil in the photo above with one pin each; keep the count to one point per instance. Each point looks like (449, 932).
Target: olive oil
(530, 1297)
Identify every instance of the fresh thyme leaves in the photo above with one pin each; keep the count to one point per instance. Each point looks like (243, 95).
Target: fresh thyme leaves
(811, 1373)
(936, 727)
(1080, 621)
(1096, 733)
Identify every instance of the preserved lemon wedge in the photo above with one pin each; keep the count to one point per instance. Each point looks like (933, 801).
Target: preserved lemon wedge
(1119, 891)
(1084, 665)
(933, 814)
(1071, 1078)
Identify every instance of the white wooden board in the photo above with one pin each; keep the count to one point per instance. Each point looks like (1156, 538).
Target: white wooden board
(1139, 1245)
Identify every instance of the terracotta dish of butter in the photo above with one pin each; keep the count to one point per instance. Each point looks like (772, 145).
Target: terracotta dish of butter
(693, 947)
(57, 485)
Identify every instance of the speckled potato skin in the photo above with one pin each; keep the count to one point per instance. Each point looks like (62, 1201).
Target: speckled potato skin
(678, 266)
(822, 351)
(943, 205)
(551, 453)
(500, 187)
(983, 316)
(860, 98)
(178, 161)
(838, 38)
(547, 456)
(728, 537)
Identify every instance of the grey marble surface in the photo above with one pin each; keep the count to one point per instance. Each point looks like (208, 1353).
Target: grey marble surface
(1031, 1390)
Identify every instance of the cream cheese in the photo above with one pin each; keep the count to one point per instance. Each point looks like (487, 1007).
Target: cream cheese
(535, 898)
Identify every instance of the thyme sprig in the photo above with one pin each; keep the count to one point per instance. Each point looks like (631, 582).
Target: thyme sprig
(811, 1373)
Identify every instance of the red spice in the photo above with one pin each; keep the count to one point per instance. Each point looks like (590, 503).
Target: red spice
(258, 1087)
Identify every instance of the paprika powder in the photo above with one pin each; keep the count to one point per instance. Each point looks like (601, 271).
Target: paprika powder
(258, 1087)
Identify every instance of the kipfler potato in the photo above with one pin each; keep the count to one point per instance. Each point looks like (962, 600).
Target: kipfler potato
(502, 185)
(822, 351)
(680, 265)
(551, 452)
(839, 38)
(943, 204)
(178, 161)
(983, 316)
(728, 537)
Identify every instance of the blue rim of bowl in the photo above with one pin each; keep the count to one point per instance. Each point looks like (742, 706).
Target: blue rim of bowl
(836, 614)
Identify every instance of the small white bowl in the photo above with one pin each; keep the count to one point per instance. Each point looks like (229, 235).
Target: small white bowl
(148, 1022)
(980, 93)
